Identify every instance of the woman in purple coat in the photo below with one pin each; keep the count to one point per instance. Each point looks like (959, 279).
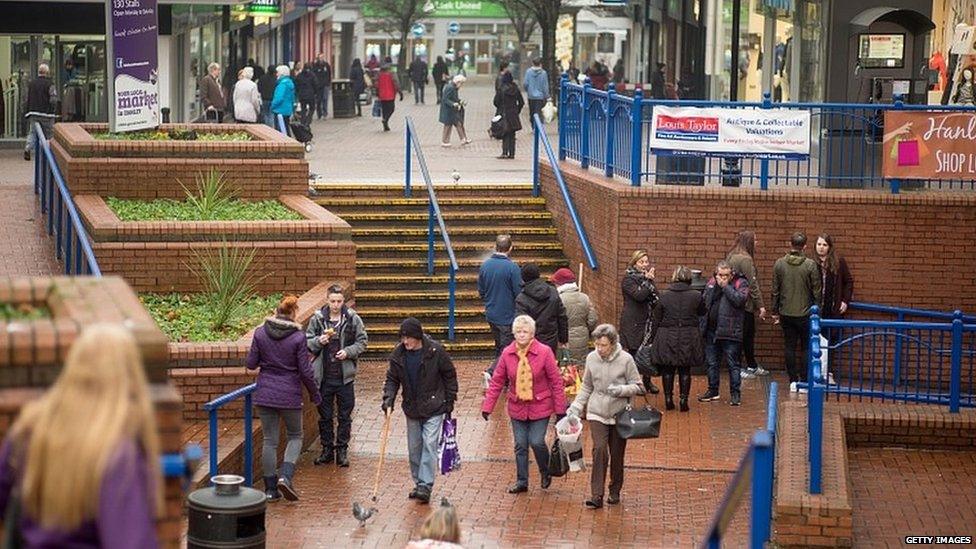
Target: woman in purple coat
(279, 350)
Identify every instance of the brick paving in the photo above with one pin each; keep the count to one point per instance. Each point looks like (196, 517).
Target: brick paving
(25, 248)
(902, 492)
(672, 485)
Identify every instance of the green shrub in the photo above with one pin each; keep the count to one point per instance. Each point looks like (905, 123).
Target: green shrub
(187, 317)
(227, 281)
(213, 195)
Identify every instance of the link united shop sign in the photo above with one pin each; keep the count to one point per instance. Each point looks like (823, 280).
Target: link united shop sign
(781, 134)
(930, 145)
(133, 67)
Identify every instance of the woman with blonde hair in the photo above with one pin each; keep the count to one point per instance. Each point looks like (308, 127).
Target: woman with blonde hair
(441, 529)
(81, 463)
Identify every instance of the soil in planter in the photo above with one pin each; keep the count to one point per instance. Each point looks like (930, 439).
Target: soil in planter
(187, 317)
(19, 312)
(176, 210)
(174, 135)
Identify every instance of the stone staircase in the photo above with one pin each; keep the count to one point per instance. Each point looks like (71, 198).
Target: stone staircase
(390, 233)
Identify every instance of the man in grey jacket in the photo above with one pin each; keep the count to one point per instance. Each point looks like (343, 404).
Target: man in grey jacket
(536, 84)
(336, 338)
(796, 288)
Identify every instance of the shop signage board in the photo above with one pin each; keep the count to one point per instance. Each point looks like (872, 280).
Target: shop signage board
(133, 76)
(779, 134)
(454, 28)
(454, 9)
(418, 29)
(929, 145)
(266, 8)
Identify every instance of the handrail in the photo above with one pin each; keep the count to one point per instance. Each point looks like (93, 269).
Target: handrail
(902, 312)
(212, 407)
(71, 243)
(280, 120)
(433, 213)
(541, 137)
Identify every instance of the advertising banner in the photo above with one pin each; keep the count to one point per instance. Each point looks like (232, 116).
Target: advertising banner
(133, 64)
(779, 134)
(929, 145)
(269, 8)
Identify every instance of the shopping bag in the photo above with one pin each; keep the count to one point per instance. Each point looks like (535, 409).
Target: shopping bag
(569, 429)
(908, 154)
(448, 454)
(558, 460)
(549, 112)
(377, 109)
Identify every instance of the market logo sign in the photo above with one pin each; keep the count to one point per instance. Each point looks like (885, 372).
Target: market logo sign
(133, 26)
(266, 8)
(687, 128)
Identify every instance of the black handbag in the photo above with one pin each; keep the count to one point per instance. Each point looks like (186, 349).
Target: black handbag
(644, 422)
(558, 460)
(642, 358)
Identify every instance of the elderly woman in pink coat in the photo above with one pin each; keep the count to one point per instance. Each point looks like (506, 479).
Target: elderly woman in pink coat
(535, 393)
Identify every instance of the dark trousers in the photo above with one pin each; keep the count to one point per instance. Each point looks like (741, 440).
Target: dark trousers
(535, 106)
(508, 145)
(308, 110)
(749, 339)
(387, 107)
(418, 92)
(715, 350)
(322, 102)
(440, 90)
(608, 449)
(796, 333)
(667, 381)
(503, 336)
(342, 397)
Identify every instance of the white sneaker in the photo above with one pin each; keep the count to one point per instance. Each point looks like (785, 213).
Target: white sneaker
(795, 389)
(446, 145)
(747, 373)
(760, 371)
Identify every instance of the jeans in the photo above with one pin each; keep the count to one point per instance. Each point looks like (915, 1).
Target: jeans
(530, 433)
(266, 115)
(440, 90)
(270, 418)
(47, 125)
(796, 332)
(503, 336)
(287, 119)
(322, 100)
(343, 398)
(387, 108)
(418, 92)
(606, 444)
(715, 349)
(535, 106)
(423, 440)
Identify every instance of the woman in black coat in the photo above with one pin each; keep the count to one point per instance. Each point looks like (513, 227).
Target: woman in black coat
(305, 91)
(677, 337)
(357, 79)
(509, 103)
(640, 296)
(837, 283)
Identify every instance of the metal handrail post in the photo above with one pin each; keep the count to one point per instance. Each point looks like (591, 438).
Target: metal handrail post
(452, 284)
(248, 441)
(608, 153)
(767, 103)
(771, 412)
(815, 405)
(407, 192)
(535, 162)
(563, 115)
(212, 414)
(636, 137)
(900, 317)
(584, 130)
(896, 183)
(430, 237)
(955, 377)
(762, 489)
(37, 161)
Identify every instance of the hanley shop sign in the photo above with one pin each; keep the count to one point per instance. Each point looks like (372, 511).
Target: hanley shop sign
(930, 145)
(778, 134)
(133, 72)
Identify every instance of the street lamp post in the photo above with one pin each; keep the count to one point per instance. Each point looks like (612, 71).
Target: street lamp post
(731, 169)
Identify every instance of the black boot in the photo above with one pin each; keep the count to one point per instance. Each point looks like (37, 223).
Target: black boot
(649, 385)
(284, 481)
(342, 457)
(667, 380)
(271, 489)
(684, 388)
(327, 456)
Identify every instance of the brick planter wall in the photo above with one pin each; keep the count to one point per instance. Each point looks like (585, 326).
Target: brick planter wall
(153, 256)
(32, 354)
(912, 249)
(269, 165)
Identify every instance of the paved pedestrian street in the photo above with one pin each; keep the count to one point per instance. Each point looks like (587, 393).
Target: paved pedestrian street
(672, 484)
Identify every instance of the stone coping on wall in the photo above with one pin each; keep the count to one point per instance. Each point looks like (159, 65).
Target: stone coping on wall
(32, 352)
(77, 139)
(104, 225)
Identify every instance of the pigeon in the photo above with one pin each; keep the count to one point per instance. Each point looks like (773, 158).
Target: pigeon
(361, 514)
(456, 175)
(445, 502)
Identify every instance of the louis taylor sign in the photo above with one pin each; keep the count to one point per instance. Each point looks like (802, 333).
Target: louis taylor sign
(756, 133)
(132, 27)
(930, 145)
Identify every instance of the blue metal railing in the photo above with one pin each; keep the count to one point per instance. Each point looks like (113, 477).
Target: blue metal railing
(609, 131)
(918, 362)
(433, 214)
(756, 474)
(212, 408)
(540, 137)
(72, 245)
(280, 123)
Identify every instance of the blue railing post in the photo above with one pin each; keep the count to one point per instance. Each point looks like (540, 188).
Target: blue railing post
(248, 442)
(815, 403)
(563, 115)
(406, 165)
(955, 380)
(430, 237)
(767, 103)
(608, 153)
(37, 161)
(762, 488)
(452, 284)
(584, 129)
(537, 127)
(896, 183)
(212, 414)
(899, 317)
(636, 137)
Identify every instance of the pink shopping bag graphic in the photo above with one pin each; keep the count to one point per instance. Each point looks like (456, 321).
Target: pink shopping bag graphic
(908, 154)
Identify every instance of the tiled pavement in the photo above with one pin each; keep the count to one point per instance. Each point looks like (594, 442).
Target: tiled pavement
(25, 248)
(672, 485)
(925, 493)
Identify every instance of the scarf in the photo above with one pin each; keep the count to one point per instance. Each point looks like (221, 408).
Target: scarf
(523, 376)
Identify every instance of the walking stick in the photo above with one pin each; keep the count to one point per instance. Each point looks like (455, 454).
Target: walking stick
(383, 439)
(580, 283)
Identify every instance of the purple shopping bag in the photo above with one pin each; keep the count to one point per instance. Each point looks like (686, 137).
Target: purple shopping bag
(908, 154)
(448, 453)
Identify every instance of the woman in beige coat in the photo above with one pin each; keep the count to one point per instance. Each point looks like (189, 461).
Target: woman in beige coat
(610, 380)
(579, 310)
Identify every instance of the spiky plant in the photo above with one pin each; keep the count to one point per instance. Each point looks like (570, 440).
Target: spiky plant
(213, 193)
(227, 281)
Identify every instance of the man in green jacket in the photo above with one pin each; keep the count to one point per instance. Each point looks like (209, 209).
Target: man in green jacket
(796, 288)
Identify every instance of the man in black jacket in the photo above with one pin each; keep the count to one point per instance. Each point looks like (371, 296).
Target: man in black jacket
(419, 76)
(725, 299)
(42, 101)
(305, 91)
(542, 302)
(424, 370)
(266, 87)
(323, 85)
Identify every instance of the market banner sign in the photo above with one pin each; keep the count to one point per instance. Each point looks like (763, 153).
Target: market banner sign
(448, 8)
(266, 8)
(777, 134)
(133, 67)
(929, 145)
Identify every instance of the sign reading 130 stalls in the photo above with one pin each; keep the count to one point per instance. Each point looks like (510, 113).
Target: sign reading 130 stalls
(133, 78)
(930, 145)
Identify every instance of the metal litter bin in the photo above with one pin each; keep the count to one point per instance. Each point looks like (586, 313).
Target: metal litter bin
(226, 515)
(343, 99)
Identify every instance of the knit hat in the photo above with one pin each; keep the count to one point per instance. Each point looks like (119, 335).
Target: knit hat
(562, 276)
(411, 328)
(530, 272)
(636, 256)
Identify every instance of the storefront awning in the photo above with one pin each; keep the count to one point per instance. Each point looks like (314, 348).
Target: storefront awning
(787, 5)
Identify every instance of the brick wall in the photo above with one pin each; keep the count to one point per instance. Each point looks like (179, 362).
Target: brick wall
(912, 249)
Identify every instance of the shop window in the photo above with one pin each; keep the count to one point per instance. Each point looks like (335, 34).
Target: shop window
(605, 42)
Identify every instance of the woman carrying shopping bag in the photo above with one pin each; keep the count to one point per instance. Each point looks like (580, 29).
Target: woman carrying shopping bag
(610, 380)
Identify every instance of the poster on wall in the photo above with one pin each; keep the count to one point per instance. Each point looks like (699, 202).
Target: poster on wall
(929, 145)
(133, 67)
(777, 134)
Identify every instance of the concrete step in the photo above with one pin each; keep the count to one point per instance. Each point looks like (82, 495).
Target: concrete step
(472, 350)
(466, 280)
(445, 190)
(419, 204)
(380, 313)
(437, 330)
(452, 219)
(441, 264)
(433, 294)
(461, 249)
(482, 234)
